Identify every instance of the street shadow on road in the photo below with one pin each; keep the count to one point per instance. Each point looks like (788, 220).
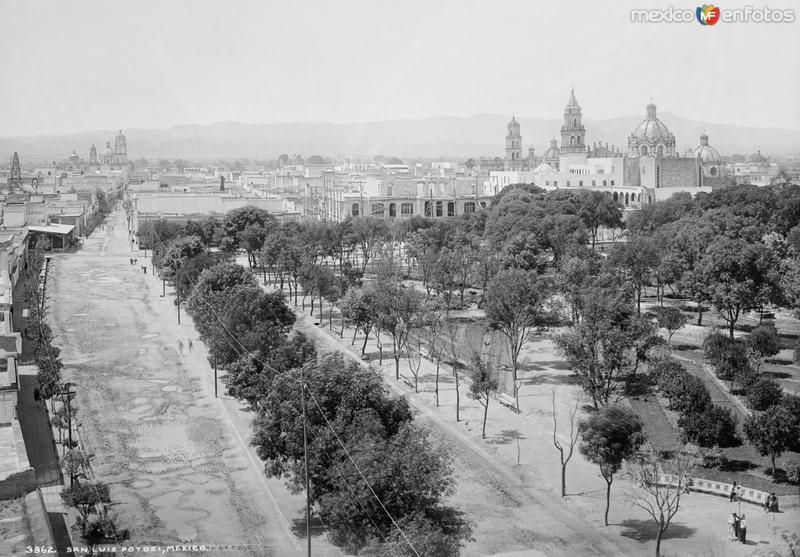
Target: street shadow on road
(505, 437)
(646, 530)
(551, 379)
(299, 527)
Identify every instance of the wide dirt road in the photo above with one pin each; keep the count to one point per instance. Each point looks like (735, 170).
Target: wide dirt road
(178, 468)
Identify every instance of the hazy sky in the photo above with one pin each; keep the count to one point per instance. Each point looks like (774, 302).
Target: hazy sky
(69, 66)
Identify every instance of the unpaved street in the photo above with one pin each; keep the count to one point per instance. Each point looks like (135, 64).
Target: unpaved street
(179, 469)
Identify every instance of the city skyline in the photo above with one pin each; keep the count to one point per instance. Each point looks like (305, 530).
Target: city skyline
(353, 62)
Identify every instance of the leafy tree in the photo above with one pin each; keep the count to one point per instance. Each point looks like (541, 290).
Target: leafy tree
(716, 426)
(368, 234)
(178, 251)
(763, 393)
(637, 258)
(83, 497)
(238, 220)
(739, 273)
(482, 386)
(396, 312)
(770, 433)
(672, 319)
(515, 305)
(596, 210)
(763, 343)
(357, 307)
(609, 437)
(687, 394)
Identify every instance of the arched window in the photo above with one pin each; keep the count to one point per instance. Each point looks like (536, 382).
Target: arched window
(354, 210)
(438, 208)
(643, 150)
(572, 140)
(713, 171)
(627, 199)
(616, 197)
(575, 123)
(389, 190)
(660, 150)
(392, 210)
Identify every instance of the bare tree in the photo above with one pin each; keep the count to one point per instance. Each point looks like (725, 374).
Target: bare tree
(660, 483)
(483, 385)
(565, 450)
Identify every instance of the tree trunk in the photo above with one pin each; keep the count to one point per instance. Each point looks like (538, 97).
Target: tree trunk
(355, 333)
(564, 479)
(458, 396)
(364, 347)
(608, 497)
(699, 314)
(639, 301)
(397, 365)
(658, 542)
(436, 385)
(312, 305)
(485, 413)
(730, 328)
(330, 317)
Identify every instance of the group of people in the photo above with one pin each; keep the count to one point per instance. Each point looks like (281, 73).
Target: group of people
(737, 528)
(188, 344)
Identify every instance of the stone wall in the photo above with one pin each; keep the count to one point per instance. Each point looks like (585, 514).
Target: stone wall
(40, 528)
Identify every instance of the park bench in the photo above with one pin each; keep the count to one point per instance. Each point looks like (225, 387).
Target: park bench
(507, 400)
(723, 489)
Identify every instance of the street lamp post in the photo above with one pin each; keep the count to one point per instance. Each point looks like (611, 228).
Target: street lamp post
(67, 393)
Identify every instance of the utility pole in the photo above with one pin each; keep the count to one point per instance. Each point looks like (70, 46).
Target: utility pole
(178, 292)
(305, 458)
(68, 393)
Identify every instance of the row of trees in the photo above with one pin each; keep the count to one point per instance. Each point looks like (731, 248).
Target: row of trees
(360, 441)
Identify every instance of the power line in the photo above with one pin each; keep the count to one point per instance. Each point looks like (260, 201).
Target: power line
(303, 386)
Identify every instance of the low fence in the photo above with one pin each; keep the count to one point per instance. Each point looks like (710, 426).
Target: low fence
(714, 487)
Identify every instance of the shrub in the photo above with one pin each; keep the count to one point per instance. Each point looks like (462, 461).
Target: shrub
(763, 393)
(729, 358)
(792, 405)
(763, 343)
(714, 426)
(714, 458)
(689, 396)
(793, 471)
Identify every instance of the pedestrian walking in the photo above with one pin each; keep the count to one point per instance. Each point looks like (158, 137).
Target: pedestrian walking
(180, 347)
(189, 343)
(743, 530)
(732, 496)
(731, 527)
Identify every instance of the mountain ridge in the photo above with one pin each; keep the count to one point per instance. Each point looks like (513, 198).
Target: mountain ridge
(430, 137)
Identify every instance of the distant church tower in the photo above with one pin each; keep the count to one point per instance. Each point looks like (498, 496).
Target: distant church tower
(513, 146)
(120, 150)
(572, 132)
(93, 156)
(15, 176)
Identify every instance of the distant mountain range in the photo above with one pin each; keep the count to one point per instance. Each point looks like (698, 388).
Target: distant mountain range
(437, 136)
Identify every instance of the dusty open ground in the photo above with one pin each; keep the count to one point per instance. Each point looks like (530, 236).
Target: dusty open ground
(176, 458)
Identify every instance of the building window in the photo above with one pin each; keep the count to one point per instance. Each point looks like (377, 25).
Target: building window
(555, 183)
(389, 191)
(713, 171)
(660, 150)
(392, 210)
(451, 208)
(580, 183)
(483, 204)
(354, 210)
(469, 207)
(438, 208)
(378, 209)
(604, 182)
(627, 198)
(428, 209)
(643, 150)
(594, 182)
(406, 209)
(568, 183)
(547, 183)
(612, 182)
(616, 197)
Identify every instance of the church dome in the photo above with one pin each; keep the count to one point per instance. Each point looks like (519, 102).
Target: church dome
(553, 152)
(705, 151)
(651, 129)
(757, 158)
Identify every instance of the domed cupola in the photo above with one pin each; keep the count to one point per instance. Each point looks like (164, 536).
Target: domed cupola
(651, 137)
